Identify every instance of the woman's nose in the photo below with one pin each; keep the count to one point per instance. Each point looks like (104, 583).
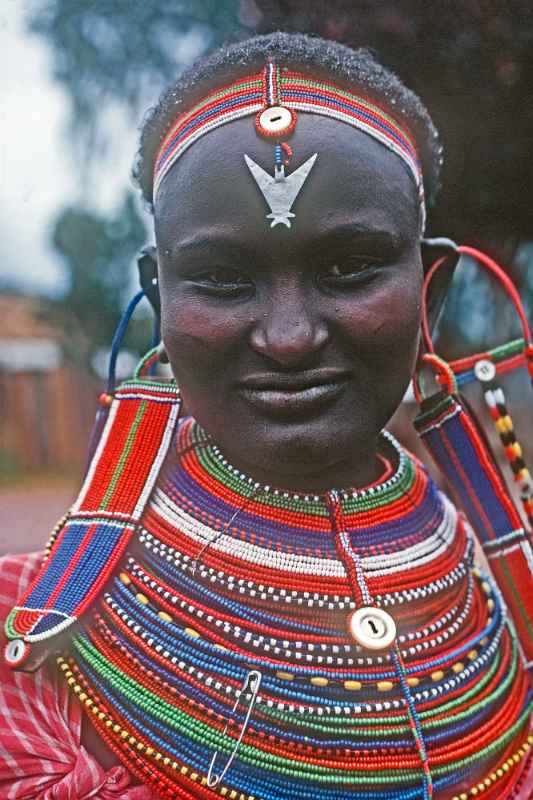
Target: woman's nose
(290, 332)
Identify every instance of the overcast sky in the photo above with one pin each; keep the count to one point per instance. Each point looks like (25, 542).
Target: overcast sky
(38, 173)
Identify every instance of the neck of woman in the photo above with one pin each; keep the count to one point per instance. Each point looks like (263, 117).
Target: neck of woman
(351, 468)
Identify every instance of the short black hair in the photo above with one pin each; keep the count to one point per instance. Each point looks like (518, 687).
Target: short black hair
(348, 68)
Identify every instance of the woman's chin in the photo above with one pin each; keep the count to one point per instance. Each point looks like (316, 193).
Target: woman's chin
(296, 455)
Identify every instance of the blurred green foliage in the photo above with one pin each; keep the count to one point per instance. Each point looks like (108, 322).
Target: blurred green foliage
(95, 250)
(114, 53)
(125, 51)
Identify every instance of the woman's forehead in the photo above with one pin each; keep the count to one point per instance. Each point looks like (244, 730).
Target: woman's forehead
(354, 179)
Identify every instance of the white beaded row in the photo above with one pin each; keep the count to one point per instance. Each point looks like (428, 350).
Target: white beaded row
(283, 647)
(418, 554)
(220, 119)
(434, 587)
(265, 644)
(245, 551)
(137, 629)
(315, 498)
(376, 565)
(450, 684)
(311, 599)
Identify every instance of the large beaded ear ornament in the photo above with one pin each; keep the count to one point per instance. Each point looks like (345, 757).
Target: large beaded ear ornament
(276, 121)
(488, 367)
(134, 431)
(457, 442)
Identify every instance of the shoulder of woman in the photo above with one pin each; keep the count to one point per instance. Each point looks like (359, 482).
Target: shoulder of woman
(41, 754)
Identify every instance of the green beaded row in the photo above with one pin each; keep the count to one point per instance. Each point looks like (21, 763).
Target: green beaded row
(199, 732)
(147, 702)
(381, 496)
(226, 92)
(331, 727)
(318, 86)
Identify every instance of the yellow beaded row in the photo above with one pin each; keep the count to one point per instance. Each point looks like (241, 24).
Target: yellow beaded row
(351, 686)
(498, 773)
(122, 733)
(524, 475)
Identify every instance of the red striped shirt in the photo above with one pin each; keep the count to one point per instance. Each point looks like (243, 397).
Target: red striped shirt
(41, 755)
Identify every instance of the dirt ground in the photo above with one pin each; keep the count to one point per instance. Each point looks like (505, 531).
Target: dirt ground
(30, 509)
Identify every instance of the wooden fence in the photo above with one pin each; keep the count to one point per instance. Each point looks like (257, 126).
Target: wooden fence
(46, 418)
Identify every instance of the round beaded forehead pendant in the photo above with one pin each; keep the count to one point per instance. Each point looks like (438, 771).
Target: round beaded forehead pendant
(276, 121)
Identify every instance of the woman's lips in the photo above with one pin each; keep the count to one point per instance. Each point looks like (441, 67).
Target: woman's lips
(293, 394)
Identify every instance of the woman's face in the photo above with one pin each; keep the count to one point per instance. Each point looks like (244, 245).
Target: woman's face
(292, 347)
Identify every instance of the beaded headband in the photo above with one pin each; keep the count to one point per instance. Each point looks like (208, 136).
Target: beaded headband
(288, 92)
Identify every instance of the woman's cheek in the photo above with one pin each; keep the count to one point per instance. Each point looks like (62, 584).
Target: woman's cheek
(200, 339)
(387, 319)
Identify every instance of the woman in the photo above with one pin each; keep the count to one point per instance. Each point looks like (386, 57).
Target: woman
(294, 612)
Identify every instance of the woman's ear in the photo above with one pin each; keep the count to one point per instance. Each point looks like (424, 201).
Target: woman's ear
(147, 266)
(433, 251)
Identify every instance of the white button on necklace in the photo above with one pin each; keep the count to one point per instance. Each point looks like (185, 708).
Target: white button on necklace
(372, 628)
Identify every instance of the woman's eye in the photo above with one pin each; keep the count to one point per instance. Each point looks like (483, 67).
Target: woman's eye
(223, 280)
(348, 272)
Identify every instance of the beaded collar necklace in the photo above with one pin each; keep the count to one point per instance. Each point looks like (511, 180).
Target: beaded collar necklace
(241, 680)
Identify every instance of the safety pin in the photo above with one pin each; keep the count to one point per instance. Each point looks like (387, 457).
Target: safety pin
(252, 682)
(217, 534)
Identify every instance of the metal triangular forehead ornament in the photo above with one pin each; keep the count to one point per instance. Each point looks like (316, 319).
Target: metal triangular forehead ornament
(280, 190)
(277, 122)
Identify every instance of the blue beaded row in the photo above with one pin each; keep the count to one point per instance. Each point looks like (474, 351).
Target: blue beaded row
(191, 587)
(300, 94)
(241, 774)
(224, 105)
(157, 628)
